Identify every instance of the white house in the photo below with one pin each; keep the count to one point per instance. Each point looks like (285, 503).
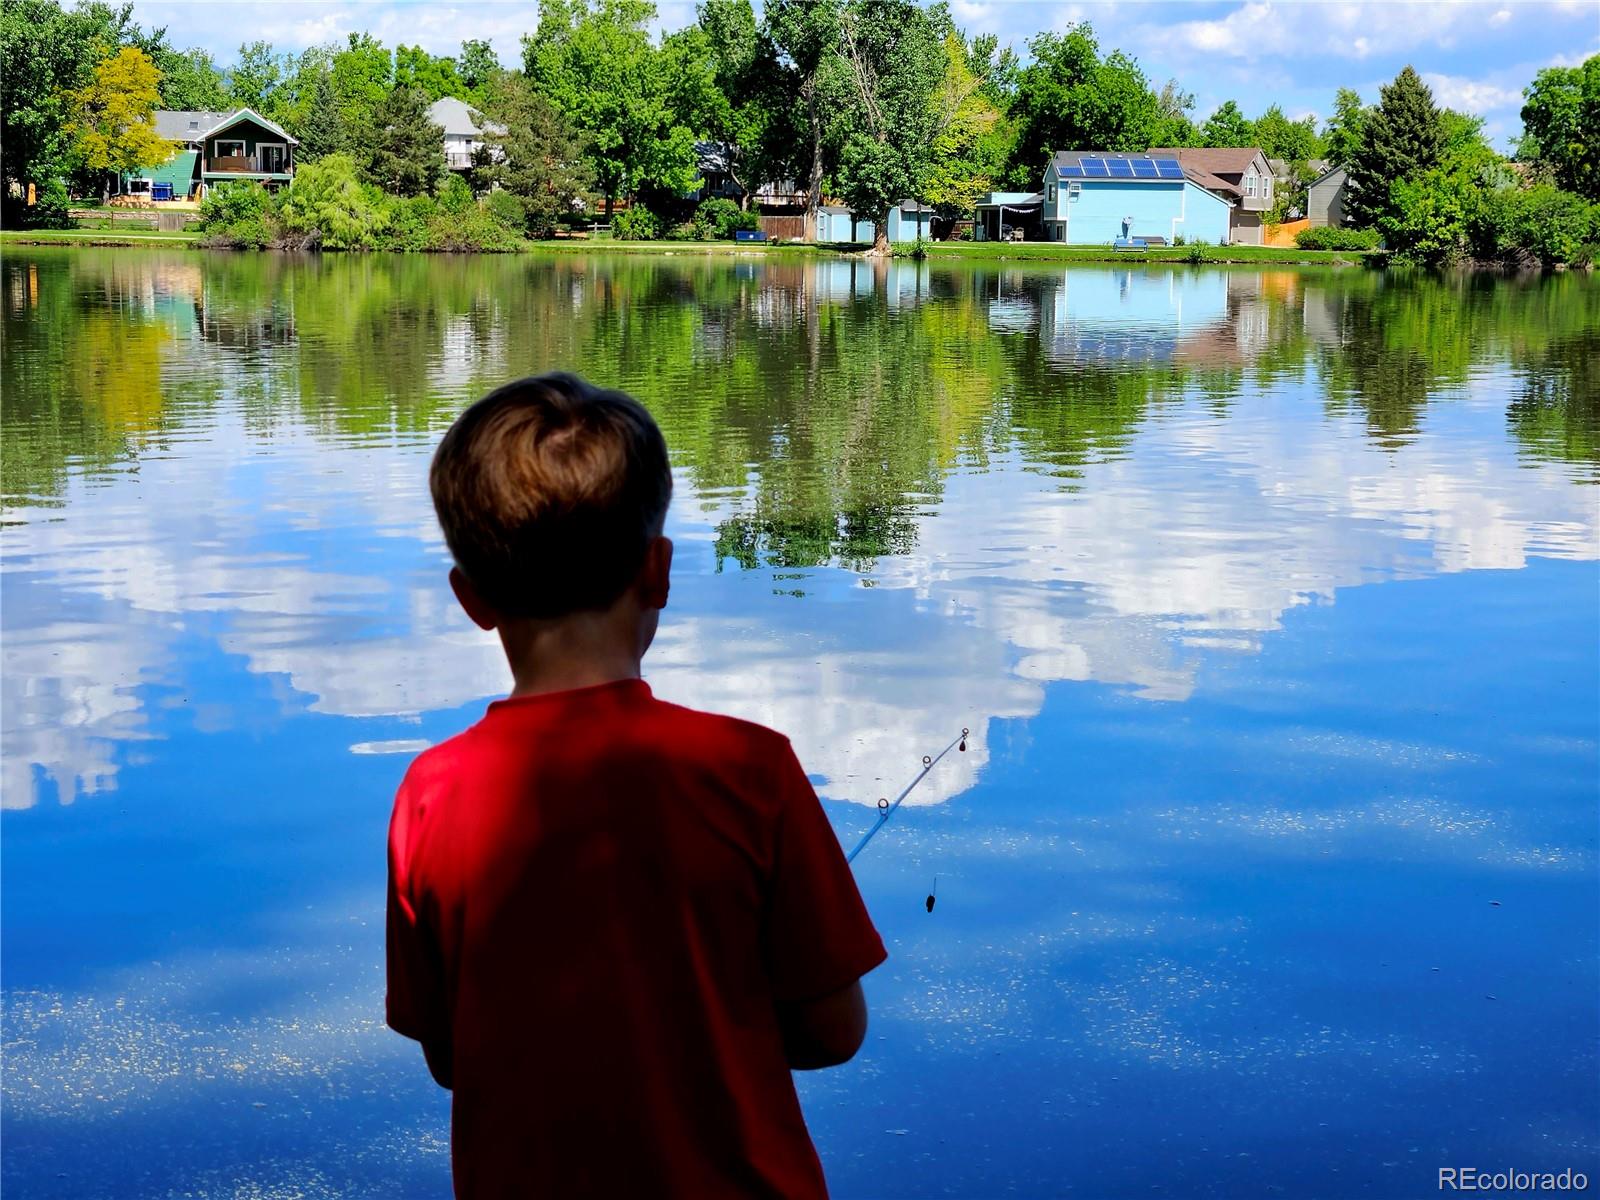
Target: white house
(462, 135)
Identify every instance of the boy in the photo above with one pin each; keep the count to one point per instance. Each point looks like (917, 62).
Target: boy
(614, 924)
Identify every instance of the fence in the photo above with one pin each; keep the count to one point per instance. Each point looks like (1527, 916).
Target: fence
(784, 229)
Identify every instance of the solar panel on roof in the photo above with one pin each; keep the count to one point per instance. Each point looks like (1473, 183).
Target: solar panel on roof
(1069, 172)
(1094, 166)
(1143, 168)
(1121, 167)
(1168, 168)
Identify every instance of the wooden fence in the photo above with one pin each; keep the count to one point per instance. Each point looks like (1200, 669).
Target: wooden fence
(783, 229)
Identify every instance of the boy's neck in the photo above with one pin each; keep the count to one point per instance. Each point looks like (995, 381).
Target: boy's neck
(576, 651)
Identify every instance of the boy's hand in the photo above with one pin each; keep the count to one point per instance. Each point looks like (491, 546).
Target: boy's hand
(826, 1031)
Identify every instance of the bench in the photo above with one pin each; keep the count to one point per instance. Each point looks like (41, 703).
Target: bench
(749, 235)
(1155, 241)
(1128, 244)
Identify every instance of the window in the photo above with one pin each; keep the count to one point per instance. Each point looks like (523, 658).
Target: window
(273, 156)
(226, 148)
(1052, 193)
(1250, 182)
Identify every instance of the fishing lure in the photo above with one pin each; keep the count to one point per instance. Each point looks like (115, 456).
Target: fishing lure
(886, 809)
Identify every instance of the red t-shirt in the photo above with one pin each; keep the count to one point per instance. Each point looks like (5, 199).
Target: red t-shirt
(597, 901)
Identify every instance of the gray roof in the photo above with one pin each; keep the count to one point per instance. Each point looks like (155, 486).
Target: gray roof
(455, 117)
(189, 126)
(912, 206)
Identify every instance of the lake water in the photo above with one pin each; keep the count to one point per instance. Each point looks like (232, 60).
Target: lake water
(1271, 599)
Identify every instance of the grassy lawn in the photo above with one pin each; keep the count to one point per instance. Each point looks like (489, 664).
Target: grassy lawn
(1058, 252)
(94, 237)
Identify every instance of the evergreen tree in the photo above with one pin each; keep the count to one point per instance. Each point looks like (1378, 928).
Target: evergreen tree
(1403, 138)
(405, 153)
(321, 129)
(539, 159)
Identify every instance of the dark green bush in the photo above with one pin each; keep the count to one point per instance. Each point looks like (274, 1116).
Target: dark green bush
(409, 224)
(719, 218)
(1328, 237)
(455, 196)
(506, 208)
(684, 231)
(636, 224)
(474, 230)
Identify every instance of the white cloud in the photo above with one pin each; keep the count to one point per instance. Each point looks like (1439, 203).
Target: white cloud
(1477, 96)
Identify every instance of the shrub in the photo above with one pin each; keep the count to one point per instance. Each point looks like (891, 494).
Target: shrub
(238, 216)
(506, 208)
(635, 225)
(455, 196)
(327, 204)
(475, 229)
(408, 225)
(720, 218)
(685, 231)
(1327, 237)
(1552, 225)
(50, 204)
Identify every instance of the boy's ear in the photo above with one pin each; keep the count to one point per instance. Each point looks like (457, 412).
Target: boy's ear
(476, 607)
(655, 577)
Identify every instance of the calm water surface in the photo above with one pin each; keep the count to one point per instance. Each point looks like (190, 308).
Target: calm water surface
(1271, 600)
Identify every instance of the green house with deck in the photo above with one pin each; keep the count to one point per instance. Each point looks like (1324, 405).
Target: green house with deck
(213, 148)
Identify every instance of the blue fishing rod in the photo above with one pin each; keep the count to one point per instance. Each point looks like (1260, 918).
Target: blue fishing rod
(886, 809)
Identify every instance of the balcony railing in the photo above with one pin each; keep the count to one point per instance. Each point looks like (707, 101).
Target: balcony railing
(246, 164)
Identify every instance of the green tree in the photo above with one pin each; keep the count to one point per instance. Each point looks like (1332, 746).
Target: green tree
(1402, 139)
(539, 159)
(254, 79)
(405, 149)
(894, 58)
(1345, 132)
(478, 67)
(111, 120)
(1279, 137)
(320, 129)
(190, 81)
(1228, 126)
(435, 75)
(362, 73)
(729, 91)
(595, 63)
(45, 54)
(970, 138)
(805, 34)
(1561, 125)
(327, 205)
(1175, 127)
(1067, 97)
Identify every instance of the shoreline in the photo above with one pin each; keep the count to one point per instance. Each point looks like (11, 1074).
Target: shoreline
(1015, 252)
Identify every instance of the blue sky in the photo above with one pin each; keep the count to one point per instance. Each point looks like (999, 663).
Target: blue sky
(1476, 55)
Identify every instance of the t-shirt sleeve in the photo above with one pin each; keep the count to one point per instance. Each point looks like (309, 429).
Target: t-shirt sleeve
(414, 1004)
(818, 935)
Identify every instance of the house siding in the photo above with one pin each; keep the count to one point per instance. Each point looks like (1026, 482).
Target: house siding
(1103, 211)
(254, 137)
(1325, 200)
(908, 226)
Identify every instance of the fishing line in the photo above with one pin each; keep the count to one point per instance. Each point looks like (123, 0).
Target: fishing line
(886, 810)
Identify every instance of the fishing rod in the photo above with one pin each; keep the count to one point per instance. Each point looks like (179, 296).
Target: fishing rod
(886, 810)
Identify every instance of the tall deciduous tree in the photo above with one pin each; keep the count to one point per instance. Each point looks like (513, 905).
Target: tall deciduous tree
(894, 59)
(436, 75)
(806, 36)
(539, 158)
(478, 66)
(596, 64)
(254, 79)
(190, 81)
(1403, 138)
(970, 137)
(362, 73)
(1227, 126)
(112, 119)
(1069, 98)
(1279, 137)
(730, 81)
(1561, 125)
(405, 153)
(1345, 131)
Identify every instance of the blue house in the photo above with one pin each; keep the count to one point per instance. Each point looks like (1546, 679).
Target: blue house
(1093, 198)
